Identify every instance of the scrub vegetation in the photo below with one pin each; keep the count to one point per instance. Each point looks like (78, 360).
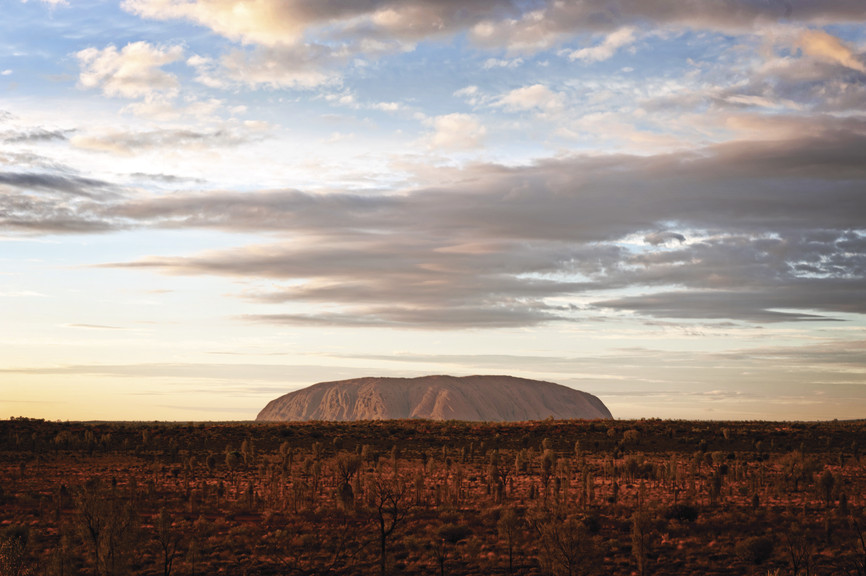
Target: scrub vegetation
(420, 497)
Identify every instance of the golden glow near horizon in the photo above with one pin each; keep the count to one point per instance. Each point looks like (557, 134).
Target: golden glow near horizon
(203, 207)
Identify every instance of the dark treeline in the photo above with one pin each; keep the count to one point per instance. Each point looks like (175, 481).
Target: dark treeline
(419, 497)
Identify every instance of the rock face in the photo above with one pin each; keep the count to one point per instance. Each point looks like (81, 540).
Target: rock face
(485, 398)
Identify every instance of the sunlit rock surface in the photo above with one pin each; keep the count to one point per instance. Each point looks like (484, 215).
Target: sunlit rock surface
(484, 398)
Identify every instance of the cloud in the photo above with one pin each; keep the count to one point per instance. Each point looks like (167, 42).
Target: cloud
(411, 317)
(54, 200)
(29, 215)
(657, 238)
(391, 24)
(287, 22)
(793, 72)
(266, 23)
(165, 111)
(127, 143)
(608, 47)
(472, 95)
(758, 278)
(294, 66)
(387, 106)
(308, 43)
(34, 135)
(741, 305)
(501, 63)
(809, 70)
(823, 46)
(132, 72)
(537, 96)
(543, 25)
(456, 132)
(227, 373)
(62, 183)
(467, 91)
(748, 231)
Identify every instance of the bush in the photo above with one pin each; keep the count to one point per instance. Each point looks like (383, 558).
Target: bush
(592, 523)
(682, 512)
(454, 533)
(755, 550)
(13, 553)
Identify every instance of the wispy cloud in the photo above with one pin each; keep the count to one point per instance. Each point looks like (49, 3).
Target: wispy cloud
(127, 142)
(535, 97)
(34, 135)
(823, 46)
(607, 48)
(456, 132)
(93, 326)
(134, 71)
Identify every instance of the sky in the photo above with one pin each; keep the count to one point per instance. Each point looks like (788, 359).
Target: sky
(205, 204)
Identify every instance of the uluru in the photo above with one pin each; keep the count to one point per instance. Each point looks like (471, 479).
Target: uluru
(476, 398)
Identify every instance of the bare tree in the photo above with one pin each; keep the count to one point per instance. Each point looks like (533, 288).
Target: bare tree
(641, 534)
(508, 527)
(800, 547)
(60, 561)
(168, 540)
(826, 482)
(108, 526)
(565, 547)
(859, 559)
(390, 504)
(346, 465)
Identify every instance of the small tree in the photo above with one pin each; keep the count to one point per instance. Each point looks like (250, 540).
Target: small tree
(167, 538)
(826, 482)
(508, 527)
(390, 505)
(547, 461)
(233, 460)
(565, 546)
(109, 527)
(631, 436)
(800, 548)
(755, 550)
(192, 556)
(248, 451)
(60, 561)
(445, 536)
(859, 559)
(346, 465)
(641, 534)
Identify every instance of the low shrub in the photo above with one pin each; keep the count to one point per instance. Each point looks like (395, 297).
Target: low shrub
(682, 512)
(755, 549)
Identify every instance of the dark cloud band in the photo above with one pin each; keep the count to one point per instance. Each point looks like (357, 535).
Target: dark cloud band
(750, 231)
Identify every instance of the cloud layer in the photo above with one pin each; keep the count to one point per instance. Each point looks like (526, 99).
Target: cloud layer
(302, 43)
(749, 231)
(279, 22)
